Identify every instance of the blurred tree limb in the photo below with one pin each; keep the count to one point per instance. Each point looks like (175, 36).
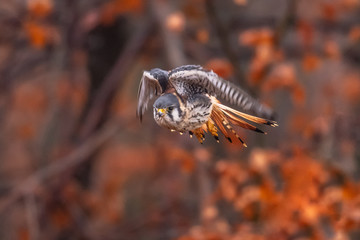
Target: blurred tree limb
(286, 22)
(113, 79)
(158, 10)
(59, 166)
(226, 45)
(32, 217)
(172, 42)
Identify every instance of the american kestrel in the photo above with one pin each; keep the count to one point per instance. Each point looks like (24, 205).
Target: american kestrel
(188, 102)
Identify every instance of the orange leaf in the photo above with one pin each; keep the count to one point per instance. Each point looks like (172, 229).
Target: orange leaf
(175, 22)
(187, 164)
(299, 121)
(26, 131)
(306, 31)
(354, 34)
(209, 212)
(60, 217)
(228, 189)
(349, 4)
(255, 37)
(256, 71)
(40, 8)
(108, 13)
(329, 11)
(23, 234)
(282, 76)
(259, 160)
(112, 9)
(310, 212)
(310, 62)
(220, 66)
(30, 97)
(202, 36)
(331, 49)
(240, 2)
(36, 33)
(124, 6)
(351, 89)
(298, 95)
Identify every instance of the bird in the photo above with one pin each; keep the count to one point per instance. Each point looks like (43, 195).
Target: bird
(188, 101)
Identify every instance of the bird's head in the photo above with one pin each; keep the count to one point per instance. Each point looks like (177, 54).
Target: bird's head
(167, 110)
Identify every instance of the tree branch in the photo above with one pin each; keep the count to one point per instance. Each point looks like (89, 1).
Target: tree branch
(226, 45)
(172, 42)
(112, 80)
(60, 165)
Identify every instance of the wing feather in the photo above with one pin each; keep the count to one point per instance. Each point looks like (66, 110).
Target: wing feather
(191, 79)
(153, 83)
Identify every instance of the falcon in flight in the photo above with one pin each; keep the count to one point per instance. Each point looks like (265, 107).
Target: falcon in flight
(188, 102)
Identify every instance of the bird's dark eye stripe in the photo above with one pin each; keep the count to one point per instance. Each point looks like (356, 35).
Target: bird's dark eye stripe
(171, 116)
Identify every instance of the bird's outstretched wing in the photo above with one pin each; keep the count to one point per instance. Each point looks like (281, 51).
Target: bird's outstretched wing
(153, 83)
(191, 79)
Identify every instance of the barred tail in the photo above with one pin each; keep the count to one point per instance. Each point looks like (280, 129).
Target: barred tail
(222, 116)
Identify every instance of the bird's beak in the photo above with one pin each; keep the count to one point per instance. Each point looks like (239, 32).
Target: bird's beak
(161, 111)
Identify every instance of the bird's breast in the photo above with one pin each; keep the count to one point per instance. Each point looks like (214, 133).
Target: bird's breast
(198, 113)
(194, 113)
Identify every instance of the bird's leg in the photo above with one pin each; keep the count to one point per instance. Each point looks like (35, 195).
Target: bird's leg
(212, 129)
(199, 134)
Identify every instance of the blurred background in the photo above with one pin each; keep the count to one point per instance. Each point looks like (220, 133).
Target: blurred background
(75, 163)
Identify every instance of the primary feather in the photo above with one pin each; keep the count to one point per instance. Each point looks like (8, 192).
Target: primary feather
(153, 83)
(195, 79)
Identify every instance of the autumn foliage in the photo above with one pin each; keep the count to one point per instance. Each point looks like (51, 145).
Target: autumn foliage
(77, 164)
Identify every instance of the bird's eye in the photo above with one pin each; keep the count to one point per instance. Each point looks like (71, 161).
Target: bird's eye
(170, 108)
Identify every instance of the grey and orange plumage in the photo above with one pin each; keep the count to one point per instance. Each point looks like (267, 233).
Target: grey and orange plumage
(187, 102)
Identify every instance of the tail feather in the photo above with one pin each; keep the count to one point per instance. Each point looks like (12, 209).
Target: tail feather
(226, 123)
(222, 116)
(217, 116)
(237, 121)
(248, 116)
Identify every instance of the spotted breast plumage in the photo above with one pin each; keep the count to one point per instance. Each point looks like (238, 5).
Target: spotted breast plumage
(187, 102)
